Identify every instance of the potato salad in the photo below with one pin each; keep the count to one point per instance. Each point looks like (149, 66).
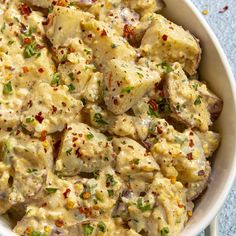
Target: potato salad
(106, 127)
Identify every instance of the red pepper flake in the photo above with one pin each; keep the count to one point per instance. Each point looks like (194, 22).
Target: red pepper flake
(25, 69)
(63, 104)
(225, 8)
(9, 129)
(87, 211)
(25, 9)
(164, 37)
(153, 104)
(116, 102)
(180, 205)
(104, 33)
(159, 130)
(201, 173)
(17, 132)
(40, 70)
(71, 50)
(62, 3)
(44, 204)
(77, 152)
(39, 117)
(128, 31)
(54, 109)
(43, 136)
(66, 193)
(27, 40)
(191, 144)
(190, 156)
(30, 103)
(59, 223)
(74, 139)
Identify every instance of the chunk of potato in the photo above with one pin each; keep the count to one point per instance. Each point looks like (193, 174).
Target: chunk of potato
(164, 204)
(185, 100)
(132, 159)
(106, 43)
(144, 7)
(48, 109)
(122, 125)
(194, 189)
(214, 103)
(125, 84)
(93, 89)
(210, 142)
(179, 155)
(83, 149)
(172, 44)
(171, 207)
(118, 16)
(26, 162)
(65, 23)
(67, 201)
(39, 218)
(139, 29)
(76, 75)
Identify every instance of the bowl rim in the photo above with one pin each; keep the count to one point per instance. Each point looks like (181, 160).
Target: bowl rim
(203, 223)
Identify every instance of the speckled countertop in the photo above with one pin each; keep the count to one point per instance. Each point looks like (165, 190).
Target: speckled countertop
(224, 26)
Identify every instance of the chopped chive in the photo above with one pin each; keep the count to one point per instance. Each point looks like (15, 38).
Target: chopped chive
(7, 88)
(51, 190)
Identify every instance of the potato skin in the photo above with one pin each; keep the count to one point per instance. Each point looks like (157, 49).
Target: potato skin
(185, 101)
(215, 104)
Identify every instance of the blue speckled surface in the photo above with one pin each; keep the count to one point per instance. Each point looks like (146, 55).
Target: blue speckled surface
(224, 26)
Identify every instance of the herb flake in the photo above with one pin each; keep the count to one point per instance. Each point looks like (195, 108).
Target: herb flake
(56, 77)
(31, 170)
(51, 190)
(99, 119)
(87, 229)
(127, 89)
(7, 88)
(198, 100)
(102, 227)
(143, 207)
(90, 136)
(166, 67)
(164, 231)
(110, 181)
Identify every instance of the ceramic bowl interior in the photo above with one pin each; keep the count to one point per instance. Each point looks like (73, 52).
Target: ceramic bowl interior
(215, 70)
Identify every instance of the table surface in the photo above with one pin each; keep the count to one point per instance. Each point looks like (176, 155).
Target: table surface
(224, 26)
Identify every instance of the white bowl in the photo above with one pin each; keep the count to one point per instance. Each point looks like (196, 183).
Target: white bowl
(216, 71)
